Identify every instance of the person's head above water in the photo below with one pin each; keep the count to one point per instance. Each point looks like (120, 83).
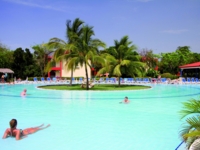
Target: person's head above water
(13, 123)
(25, 90)
(126, 97)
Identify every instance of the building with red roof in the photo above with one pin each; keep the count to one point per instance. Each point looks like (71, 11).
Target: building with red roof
(190, 70)
(59, 70)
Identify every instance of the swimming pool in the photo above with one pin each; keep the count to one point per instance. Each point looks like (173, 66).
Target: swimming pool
(94, 120)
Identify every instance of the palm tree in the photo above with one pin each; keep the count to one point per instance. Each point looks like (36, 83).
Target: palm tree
(191, 129)
(121, 59)
(61, 47)
(41, 52)
(85, 50)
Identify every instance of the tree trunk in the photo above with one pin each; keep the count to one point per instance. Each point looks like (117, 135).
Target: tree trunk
(72, 70)
(43, 67)
(86, 73)
(118, 81)
(195, 145)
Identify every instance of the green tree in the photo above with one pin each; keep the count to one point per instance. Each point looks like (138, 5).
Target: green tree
(85, 50)
(30, 68)
(185, 55)
(195, 57)
(41, 55)
(19, 63)
(62, 50)
(170, 62)
(122, 59)
(190, 131)
(6, 57)
(24, 64)
(149, 58)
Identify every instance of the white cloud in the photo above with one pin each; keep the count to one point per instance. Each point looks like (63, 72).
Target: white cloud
(31, 4)
(175, 31)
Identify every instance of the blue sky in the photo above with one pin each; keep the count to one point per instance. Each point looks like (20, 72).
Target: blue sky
(160, 25)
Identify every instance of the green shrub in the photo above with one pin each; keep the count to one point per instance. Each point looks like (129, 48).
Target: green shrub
(152, 73)
(169, 75)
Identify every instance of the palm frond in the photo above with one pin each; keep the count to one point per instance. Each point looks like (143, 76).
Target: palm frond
(190, 131)
(125, 62)
(72, 63)
(190, 107)
(117, 71)
(49, 66)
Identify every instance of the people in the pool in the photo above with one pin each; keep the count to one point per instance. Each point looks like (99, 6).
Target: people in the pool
(126, 100)
(23, 93)
(19, 133)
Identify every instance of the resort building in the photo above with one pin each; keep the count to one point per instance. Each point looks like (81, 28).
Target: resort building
(190, 70)
(59, 70)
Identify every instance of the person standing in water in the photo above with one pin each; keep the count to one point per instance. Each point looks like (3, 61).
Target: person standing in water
(19, 133)
(23, 93)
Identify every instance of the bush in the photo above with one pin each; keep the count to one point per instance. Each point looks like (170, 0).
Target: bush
(152, 73)
(169, 75)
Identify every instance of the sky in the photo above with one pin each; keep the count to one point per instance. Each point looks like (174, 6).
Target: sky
(158, 25)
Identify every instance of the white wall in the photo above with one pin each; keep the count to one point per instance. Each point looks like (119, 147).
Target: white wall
(79, 72)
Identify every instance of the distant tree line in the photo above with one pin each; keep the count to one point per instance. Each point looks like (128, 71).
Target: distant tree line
(22, 62)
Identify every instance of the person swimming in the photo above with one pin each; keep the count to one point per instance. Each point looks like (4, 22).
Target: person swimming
(126, 101)
(19, 133)
(23, 93)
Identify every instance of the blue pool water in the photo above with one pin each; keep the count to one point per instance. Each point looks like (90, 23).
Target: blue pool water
(94, 120)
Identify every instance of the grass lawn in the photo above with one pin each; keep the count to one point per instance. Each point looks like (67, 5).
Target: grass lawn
(101, 87)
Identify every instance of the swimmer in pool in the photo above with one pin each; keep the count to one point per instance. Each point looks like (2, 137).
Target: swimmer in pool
(23, 93)
(126, 101)
(19, 133)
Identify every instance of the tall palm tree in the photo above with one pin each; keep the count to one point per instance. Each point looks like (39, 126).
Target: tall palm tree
(85, 50)
(40, 53)
(61, 47)
(121, 59)
(191, 129)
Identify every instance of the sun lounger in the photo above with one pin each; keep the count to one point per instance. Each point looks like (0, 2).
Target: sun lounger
(145, 80)
(80, 80)
(24, 81)
(189, 80)
(43, 80)
(131, 80)
(48, 79)
(164, 80)
(112, 80)
(54, 79)
(35, 79)
(184, 80)
(197, 80)
(107, 80)
(101, 80)
(193, 80)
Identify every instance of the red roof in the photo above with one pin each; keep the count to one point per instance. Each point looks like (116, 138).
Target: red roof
(193, 65)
